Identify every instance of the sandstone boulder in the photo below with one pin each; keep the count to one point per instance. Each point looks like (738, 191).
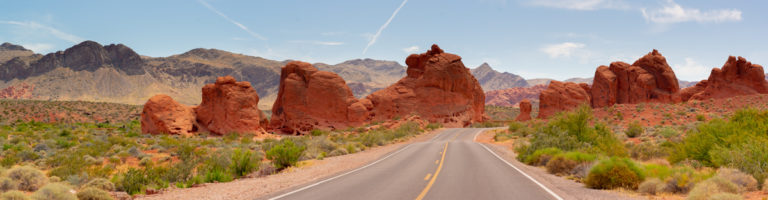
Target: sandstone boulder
(310, 99)
(229, 106)
(525, 111)
(560, 96)
(737, 77)
(649, 79)
(163, 115)
(438, 87)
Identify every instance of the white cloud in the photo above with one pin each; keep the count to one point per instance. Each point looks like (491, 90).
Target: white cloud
(581, 4)
(238, 24)
(325, 43)
(674, 13)
(691, 70)
(53, 31)
(376, 36)
(411, 49)
(38, 47)
(566, 49)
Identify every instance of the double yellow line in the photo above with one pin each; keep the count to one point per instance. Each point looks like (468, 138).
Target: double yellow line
(437, 172)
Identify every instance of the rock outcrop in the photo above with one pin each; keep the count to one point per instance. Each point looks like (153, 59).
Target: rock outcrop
(438, 87)
(230, 107)
(163, 115)
(310, 99)
(562, 96)
(737, 77)
(525, 111)
(649, 79)
(512, 96)
(20, 91)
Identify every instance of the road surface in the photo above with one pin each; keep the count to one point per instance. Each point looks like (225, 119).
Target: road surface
(449, 166)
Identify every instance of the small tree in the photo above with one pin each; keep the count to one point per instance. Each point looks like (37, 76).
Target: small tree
(285, 154)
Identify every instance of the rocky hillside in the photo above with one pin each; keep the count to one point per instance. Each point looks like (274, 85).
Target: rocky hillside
(115, 73)
(493, 80)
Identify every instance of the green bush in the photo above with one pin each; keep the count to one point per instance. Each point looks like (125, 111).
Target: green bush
(133, 181)
(92, 193)
(559, 165)
(634, 129)
(285, 154)
(647, 150)
(54, 191)
(244, 162)
(433, 126)
(101, 183)
(14, 195)
(7, 184)
(651, 186)
(542, 156)
(710, 187)
(614, 172)
(28, 178)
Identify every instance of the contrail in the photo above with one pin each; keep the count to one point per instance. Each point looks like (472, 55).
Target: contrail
(55, 32)
(373, 39)
(238, 24)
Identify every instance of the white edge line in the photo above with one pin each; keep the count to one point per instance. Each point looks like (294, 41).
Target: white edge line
(524, 174)
(335, 177)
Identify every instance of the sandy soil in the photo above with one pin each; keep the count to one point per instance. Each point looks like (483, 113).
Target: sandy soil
(309, 172)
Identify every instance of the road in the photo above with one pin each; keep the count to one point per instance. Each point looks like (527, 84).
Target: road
(449, 166)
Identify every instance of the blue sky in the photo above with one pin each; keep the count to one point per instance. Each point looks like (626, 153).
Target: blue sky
(545, 38)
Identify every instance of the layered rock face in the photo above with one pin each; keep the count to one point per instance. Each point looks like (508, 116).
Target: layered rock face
(229, 106)
(562, 96)
(438, 87)
(649, 79)
(512, 96)
(309, 99)
(525, 111)
(737, 77)
(163, 115)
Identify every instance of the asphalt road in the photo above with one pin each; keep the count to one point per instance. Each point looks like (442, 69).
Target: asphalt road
(449, 166)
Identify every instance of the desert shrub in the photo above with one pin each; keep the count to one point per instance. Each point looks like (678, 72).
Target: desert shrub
(560, 165)
(485, 124)
(710, 187)
(657, 171)
(92, 193)
(542, 156)
(701, 118)
(244, 162)
(634, 129)
(744, 181)
(749, 156)
(667, 132)
(571, 131)
(285, 154)
(132, 181)
(28, 178)
(651, 186)
(14, 195)
(579, 157)
(54, 191)
(614, 172)
(647, 151)
(7, 184)
(101, 183)
(433, 126)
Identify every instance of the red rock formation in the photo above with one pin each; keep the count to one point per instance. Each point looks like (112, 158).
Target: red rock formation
(437, 87)
(649, 79)
(525, 111)
(229, 106)
(512, 96)
(19, 91)
(310, 99)
(737, 77)
(561, 96)
(163, 115)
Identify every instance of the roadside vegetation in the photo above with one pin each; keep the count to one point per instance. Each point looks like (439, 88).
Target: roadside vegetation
(47, 160)
(719, 158)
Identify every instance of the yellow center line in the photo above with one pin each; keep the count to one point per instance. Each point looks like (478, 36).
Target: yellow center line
(437, 172)
(427, 178)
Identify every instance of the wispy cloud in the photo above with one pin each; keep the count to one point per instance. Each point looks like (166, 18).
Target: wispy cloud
(581, 4)
(378, 33)
(411, 49)
(565, 49)
(691, 70)
(38, 47)
(238, 24)
(325, 43)
(672, 12)
(53, 31)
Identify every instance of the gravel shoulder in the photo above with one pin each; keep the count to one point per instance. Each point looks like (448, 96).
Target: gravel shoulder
(293, 178)
(567, 189)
